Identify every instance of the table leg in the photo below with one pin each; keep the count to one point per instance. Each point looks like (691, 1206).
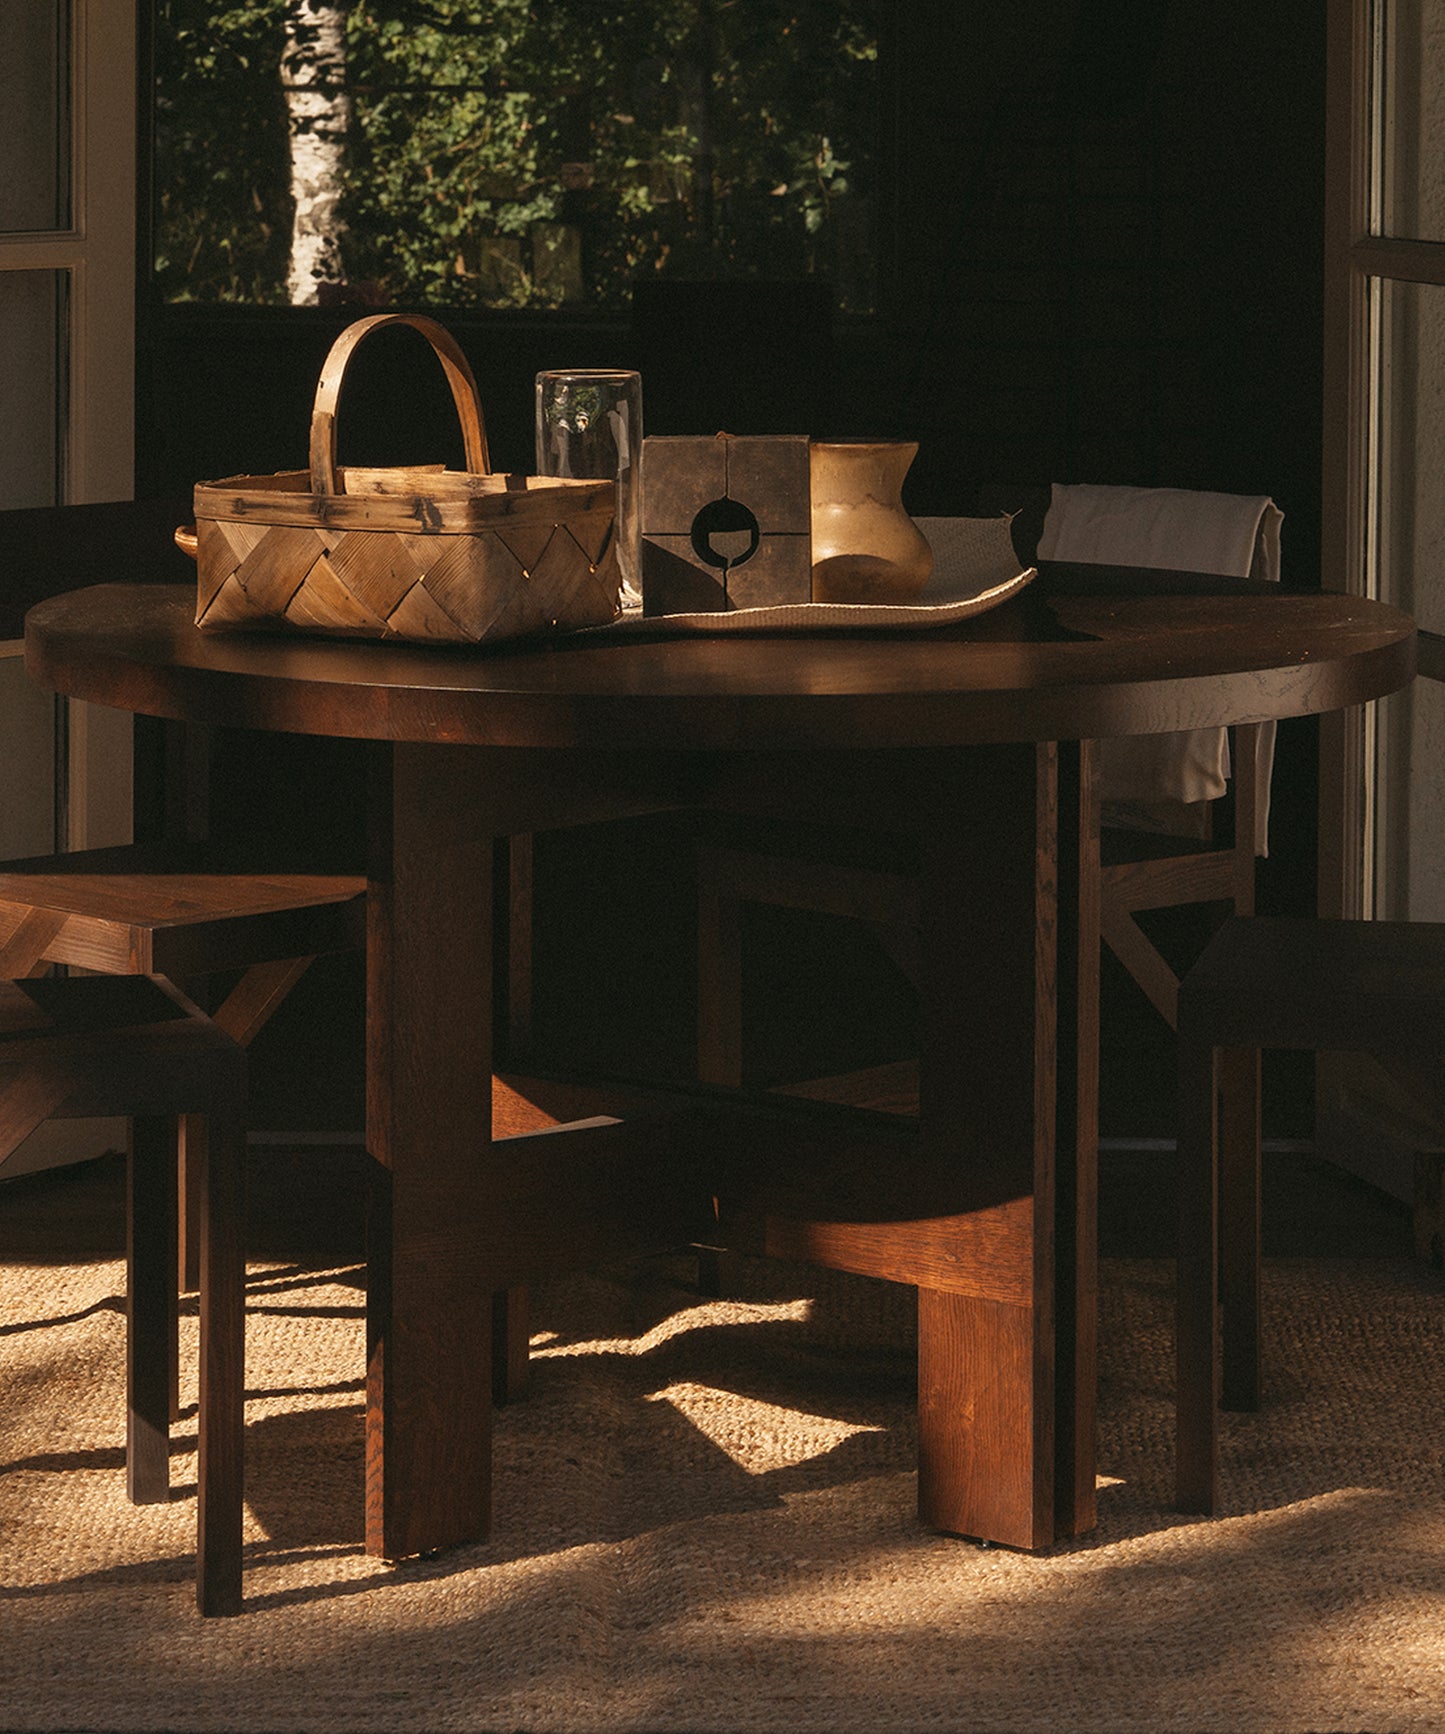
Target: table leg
(429, 1039)
(999, 1428)
(1000, 1239)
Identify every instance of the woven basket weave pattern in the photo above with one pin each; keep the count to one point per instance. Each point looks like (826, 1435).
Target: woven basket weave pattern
(420, 553)
(380, 584)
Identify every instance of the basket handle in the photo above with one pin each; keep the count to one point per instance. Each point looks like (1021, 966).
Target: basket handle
(324, 477)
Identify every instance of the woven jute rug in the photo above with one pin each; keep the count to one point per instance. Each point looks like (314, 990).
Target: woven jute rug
(705, 1521)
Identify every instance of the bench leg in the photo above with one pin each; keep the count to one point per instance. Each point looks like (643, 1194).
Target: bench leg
(1239, 1227)
(151, 1304)
(223, 1373)
(1197, 1290)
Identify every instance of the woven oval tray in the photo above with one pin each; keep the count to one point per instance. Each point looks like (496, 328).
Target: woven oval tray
(975, 568)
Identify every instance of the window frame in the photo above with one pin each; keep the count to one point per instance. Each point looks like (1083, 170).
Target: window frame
(1358, 259)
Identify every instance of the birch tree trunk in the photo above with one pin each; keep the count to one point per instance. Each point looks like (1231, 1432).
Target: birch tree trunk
(318, 109)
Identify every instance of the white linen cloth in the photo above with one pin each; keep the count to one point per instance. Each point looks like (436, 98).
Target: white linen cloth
(1185, 530)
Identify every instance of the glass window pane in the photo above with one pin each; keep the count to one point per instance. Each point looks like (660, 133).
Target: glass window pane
(34, 91)
(1409, 530)
(1410, 804)
(1411, 80)
(32, 365)
(543, 161)
(1409, 544)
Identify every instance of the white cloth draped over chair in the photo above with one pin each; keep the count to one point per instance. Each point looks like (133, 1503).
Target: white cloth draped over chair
(1158, 782)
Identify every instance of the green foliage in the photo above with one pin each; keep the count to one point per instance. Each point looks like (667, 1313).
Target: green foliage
(513, 153)
(222, 198)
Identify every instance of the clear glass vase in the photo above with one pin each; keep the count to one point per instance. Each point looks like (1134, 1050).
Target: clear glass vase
(589, 425)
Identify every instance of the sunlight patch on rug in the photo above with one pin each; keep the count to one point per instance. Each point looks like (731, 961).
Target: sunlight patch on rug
(759, 1437)
(700, 1318)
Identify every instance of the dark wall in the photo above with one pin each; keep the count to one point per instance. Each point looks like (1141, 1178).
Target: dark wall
(1110, 243)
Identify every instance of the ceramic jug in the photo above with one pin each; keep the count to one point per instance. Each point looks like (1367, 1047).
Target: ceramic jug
(865, 546)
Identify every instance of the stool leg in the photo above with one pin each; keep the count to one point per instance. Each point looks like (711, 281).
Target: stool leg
(223, 1371)
(151, 1322)
(1239, 1225)
(1197, 1335)
(191, 1153)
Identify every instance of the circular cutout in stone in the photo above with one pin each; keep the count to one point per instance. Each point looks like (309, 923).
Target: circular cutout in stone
(725, 534)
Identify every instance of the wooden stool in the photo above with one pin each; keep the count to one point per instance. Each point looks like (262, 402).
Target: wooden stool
(182, 912)
(133, 1045)
(1321, 986)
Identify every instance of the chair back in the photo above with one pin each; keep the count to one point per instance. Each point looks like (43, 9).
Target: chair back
(1165, 782)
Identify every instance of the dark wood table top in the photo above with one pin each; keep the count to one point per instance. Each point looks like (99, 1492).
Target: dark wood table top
(1068, 659)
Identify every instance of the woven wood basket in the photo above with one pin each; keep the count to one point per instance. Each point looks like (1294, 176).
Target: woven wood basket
(420, 553)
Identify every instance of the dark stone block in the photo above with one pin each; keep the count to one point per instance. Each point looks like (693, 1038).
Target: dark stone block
(726, 522)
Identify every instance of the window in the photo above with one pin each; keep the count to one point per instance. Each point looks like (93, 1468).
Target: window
(1382, 816)
(1385, 369)
(67, 250)
(525, 154)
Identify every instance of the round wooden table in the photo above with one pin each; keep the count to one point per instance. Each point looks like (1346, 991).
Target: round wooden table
(1048, 667)
(970, 737)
